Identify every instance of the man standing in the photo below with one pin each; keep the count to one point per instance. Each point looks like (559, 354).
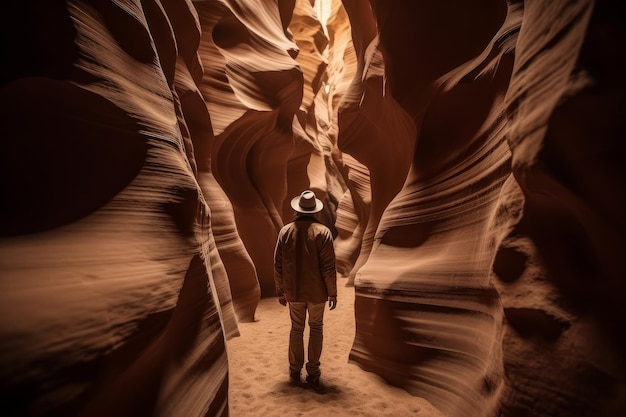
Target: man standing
(305, 277)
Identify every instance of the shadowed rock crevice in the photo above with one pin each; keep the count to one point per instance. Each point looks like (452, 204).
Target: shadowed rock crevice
(536, 324)
(509, 264)
(70, 161)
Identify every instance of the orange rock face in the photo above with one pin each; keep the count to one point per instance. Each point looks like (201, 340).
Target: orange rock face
(114, 301)
(468, 154)
(474, 289)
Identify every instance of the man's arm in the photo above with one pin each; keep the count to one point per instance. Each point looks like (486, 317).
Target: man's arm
(278, 272)
(328, 269)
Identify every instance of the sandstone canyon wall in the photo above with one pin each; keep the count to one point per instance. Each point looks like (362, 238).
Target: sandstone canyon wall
(115, 300)
(468, 153)
(489, 281)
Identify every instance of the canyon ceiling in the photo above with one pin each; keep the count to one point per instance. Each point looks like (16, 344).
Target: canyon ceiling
(468, 153)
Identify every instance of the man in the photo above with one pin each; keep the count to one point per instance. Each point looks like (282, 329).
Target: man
(305, 278)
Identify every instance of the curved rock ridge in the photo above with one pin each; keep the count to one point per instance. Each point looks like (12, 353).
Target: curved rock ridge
(237, 262)
(256, 87)
(468, 155)
(343, 85)
(559, 270)
(115, 302)
(264, 77)
(479, 262)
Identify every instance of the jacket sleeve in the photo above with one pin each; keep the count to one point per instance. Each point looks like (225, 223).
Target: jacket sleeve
(278, 267)
(327, 265)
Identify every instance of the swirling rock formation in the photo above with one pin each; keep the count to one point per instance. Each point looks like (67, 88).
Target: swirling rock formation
(427, 317)
(476, 266)
(256, 90)
(113, 299)
(241, 271)
(468, 154)
(151, 107)
(559, 270)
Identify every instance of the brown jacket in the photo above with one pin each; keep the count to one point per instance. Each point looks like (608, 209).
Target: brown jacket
(304, 261)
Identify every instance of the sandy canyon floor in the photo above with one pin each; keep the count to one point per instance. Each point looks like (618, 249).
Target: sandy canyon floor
(259, 383)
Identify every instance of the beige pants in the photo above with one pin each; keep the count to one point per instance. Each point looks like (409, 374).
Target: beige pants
(298, 310)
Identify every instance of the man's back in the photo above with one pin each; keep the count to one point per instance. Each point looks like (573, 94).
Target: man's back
(305, 261)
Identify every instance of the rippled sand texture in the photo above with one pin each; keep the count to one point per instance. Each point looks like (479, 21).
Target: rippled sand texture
(113, 301)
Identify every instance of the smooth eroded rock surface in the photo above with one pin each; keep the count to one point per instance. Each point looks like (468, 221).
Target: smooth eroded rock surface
(468, 155)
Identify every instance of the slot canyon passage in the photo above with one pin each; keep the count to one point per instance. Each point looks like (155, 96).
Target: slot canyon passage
(467, 152)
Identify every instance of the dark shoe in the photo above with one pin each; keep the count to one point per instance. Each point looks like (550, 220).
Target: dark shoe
(294, 377)
(313, 380)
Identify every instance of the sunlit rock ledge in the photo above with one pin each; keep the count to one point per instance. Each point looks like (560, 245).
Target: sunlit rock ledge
(468, 154)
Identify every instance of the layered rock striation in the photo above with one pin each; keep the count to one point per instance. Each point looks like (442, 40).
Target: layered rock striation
(468, 154)
(114, 301)
(469, 292)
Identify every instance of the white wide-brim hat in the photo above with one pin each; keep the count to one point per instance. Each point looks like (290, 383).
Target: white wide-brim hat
(306, 202)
